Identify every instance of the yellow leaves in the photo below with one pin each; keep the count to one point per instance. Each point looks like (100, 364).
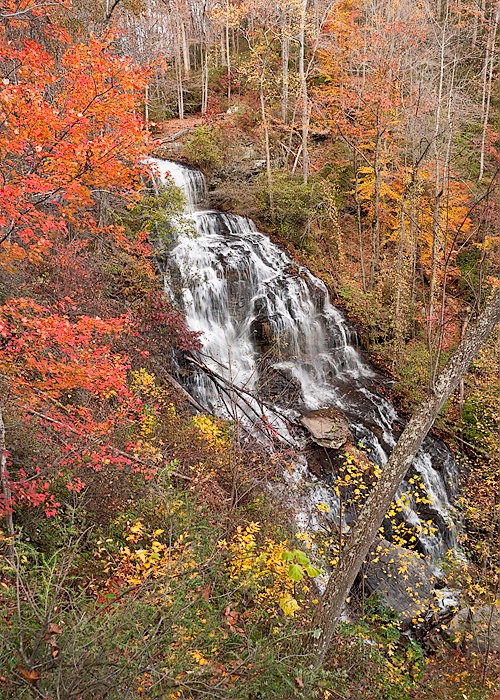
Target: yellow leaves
(142, 382)
(136, 531)
(306, 538)
(289, 605)
(199, 658)
(263, 571)
(147, 556)
(213, 431)
(149, 422)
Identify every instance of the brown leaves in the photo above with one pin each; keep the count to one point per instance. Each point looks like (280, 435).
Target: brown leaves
(299, 682)
(29, 676)
(205, 593)
(49, 637)
(232, 618)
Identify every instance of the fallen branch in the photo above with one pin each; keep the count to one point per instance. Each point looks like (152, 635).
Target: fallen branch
(174, 137)
(185, 394)
(227, 386)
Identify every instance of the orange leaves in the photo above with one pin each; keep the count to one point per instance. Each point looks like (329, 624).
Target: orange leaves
(67, 129)
(64, 380)
(57, 355)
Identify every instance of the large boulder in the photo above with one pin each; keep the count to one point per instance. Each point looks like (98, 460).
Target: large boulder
(479, 629)
(328, 427)
(402, 580)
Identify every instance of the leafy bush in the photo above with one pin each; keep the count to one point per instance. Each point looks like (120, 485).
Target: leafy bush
(295, 204)
(204, 149)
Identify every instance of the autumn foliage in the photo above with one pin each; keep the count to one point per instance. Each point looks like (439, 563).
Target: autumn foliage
(144, 557)
(71, 143)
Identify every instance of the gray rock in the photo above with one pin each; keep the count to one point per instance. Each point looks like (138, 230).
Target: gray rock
(479, 629)
(402, 580)
(328, 427)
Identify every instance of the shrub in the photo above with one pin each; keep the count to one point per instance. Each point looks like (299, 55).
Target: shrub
(204, 149)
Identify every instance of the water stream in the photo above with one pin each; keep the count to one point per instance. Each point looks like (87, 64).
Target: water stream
(270, 329)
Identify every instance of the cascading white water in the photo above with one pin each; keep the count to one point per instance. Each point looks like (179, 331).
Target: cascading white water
(258, 311)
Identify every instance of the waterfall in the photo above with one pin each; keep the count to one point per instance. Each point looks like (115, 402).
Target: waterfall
(270, 329)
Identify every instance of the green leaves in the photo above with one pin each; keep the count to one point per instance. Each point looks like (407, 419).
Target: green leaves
(296, 572)
(300, 565)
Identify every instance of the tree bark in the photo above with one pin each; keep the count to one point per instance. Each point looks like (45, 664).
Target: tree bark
(372, 514)
(375, 225)
(303, 91)
(228, 55)
(6, 490)
(285, 57)
(266, 142)
(489, 69)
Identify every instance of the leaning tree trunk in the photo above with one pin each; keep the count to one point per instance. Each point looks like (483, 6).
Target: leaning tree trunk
(373, 512)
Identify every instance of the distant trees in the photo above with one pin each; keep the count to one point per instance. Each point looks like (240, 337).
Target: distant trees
(395, 88)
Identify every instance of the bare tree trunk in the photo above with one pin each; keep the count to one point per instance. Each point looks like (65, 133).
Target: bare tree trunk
(438, 193)
(185, 49)
(6, 490)
(180, 86)
(266, 141)
(228, 56)
(204, 79)
(401, 280)
(359, 223)
(375, 237)
(285, 56)
(365, 529)
(303, 91)
(489, 69)
(476, 22)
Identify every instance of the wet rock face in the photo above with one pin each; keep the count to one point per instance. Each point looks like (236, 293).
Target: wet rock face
(402, 580)
(478, 629)
(328, 427)
(278, 386)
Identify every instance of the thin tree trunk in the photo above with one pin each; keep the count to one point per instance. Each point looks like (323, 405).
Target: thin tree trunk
(6, 490)
(489, 69)
(228, 56)
(375, 227)
(476, 23)
(359, 224)
(204, 80)
(365, 529)
(438, 192)
(185, 49)
(303, 91)
(401, 279)
(180, 86)
(266, 141)
(285, 56)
